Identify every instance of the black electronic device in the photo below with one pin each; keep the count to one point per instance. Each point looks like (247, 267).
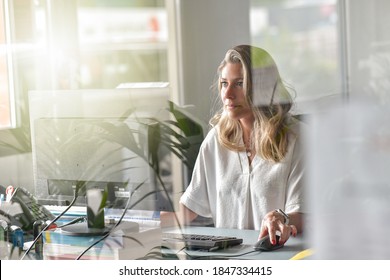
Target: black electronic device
(199, 241)
(100, 137)
(23, 210)
(264, 244)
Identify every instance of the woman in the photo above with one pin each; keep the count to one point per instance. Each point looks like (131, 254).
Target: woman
(249, 172)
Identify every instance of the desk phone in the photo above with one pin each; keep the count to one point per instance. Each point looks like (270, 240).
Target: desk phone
(22, 210)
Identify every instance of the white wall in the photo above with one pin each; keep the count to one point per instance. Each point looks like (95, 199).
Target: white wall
(202, 32)
(17, 170)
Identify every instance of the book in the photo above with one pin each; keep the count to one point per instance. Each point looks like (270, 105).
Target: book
(126, 245)
(54, 251)
(115, 239)
(142, 217)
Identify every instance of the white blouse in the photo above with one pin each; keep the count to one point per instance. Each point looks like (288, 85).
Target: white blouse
(237, 194)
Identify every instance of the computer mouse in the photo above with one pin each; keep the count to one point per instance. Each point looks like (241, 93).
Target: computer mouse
(264, 244)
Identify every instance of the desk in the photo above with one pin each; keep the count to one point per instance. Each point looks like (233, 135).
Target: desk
(244, 251)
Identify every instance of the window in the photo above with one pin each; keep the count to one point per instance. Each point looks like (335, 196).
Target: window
(122, 43)
(6, 88)
(101, 44)
(78, 44)
(74, 44)
(302, 36)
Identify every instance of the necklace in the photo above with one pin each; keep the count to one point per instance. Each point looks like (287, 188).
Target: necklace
(248, 149)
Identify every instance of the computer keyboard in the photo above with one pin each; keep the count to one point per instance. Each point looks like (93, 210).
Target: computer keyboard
(199, 241)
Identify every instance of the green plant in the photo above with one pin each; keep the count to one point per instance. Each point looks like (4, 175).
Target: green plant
(102, 150)
(180, 136)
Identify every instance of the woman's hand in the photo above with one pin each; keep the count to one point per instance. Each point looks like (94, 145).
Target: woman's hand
(273, 224)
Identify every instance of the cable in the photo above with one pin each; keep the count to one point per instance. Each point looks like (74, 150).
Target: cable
(121, 218)
(74, 221)
(152, 254)
(117, 223)
(76, 191)
(219, 256)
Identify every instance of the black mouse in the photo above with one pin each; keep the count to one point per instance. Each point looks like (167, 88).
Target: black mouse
(264, 244)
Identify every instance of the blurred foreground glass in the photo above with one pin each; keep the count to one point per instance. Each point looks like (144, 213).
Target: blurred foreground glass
(348, 156)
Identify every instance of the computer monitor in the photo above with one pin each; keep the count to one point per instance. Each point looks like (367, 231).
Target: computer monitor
(99, 137)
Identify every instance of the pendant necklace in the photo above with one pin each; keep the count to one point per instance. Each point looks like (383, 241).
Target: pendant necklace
(248, 150)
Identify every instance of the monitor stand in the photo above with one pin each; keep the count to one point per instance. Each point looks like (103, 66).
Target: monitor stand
(82, 229)
(95, 226)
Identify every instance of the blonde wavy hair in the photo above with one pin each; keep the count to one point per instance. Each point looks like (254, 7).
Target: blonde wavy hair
(269, 100)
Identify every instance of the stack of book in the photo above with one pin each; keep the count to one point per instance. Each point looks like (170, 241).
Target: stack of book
(127, 241)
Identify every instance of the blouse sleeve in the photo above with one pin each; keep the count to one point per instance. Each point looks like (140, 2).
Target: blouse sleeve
(196, 196)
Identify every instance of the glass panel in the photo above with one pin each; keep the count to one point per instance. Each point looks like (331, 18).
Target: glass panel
(122, 44)
(369, 49)
(302, 36)
(5, 89)
(76, 44)
(101, 44)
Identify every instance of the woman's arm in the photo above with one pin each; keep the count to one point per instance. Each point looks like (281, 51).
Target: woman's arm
(183, 217)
